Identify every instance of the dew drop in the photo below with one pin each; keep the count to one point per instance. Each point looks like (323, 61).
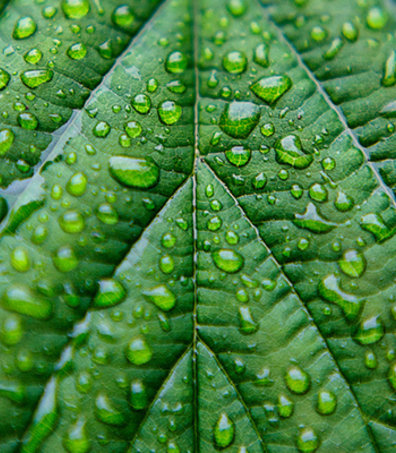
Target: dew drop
(237, 7)
(138, 172)
(77, 184)
(75, 9)
(19, 299)
(261, 55)
(4, 79)
(270, 89)
(228, 260)
(76, 439)
(110, 293)
(36, 77)
(297, 380)
(141, 103)
(352, 263)
(312, 220)
(289, 150)
(370, 331)
(24, 28)
(138, 395)
(176, 62)
(239, 119)
(223, 431)
(65, 259)
(11, 330)
(238, 155)
(326, 402)
(169, 112)
(246, 322)
(307, 440)
(138, 351)
(161, 296)
(77, 51)
(107, 214)
(123, 17)
(106, 412)
(235, 62)
(72, 222)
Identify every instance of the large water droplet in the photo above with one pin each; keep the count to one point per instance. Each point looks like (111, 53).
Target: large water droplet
(375, 225)
(343, 202)
(223, 431)
(75, 9)
(329, 288)
(312, 220)
(238, 155)
(141, 103)
(77, 51)
(36, 77)
(138, 395)
(107, 214)
(6, 140)
(77, 184)
(307, 440)
(246, 322)
(297, 380)
(352, 263)
(138, 172)
(377, 18)
(289, 150)
(228, 260)
(123, 17)
(326, 402)
(237, 7)
(270, 89)
(106, 412)
(235, 62)
(161, 296)
(4, 79)
(138, 351)
(239, 119)
(169, 112)
(176, 62)
(369, 331)
(76, 439)
(24, 28)
(11, 330)
(110, 293)
(19, 299)
(72, 222)
(65, 259)
(20, 260)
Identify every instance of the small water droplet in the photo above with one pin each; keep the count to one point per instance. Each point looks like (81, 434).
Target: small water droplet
(223, 431)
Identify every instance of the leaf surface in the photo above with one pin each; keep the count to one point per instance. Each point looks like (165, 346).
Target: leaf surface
(206, 260)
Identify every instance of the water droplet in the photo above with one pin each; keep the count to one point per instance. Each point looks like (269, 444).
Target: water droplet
(318, 33)
(392, 376)
(123, 17)
(246, 322)
(76, 439)
(223, 431)
(167, 264)
(27, 121)
(168, 240)
(261, 55)
(20, 300)
(285, 406)
(101, 129)
(375, 225)
(138, 351)
(318, 192)
(335, 47)
(110, 293)
(228, 260)
(312, 221)
(329, 288)
(239, 119)
(369, 331)
(34, 56)
(370, 360)
(389, 78)
(267, 129)
(36, 77)
(72, 222)
(343, 202)
(106, 412)
(4, 79)
(20, 260)
(77, 184)
(289, 150)
(259, 181)
(214, 223)
(11, 330)
(107, 214)
(169, 112)
(349, 31)
(24, 28)
(176, 62)
(270, 89)
(238, 155)
(75, 9)
(326, 402)
(307, 440)
(352, 263)
(161, 296)
(138, 395)
(235, 62)
(141, 103)
(297, 380)
(65, 259)
(377, 18)
(77, 51)
(237, 7)
(138, 172)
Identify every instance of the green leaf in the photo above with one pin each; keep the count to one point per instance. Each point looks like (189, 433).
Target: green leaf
(205, 261)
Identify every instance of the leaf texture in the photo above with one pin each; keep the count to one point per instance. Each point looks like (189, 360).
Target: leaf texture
(205, 262)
